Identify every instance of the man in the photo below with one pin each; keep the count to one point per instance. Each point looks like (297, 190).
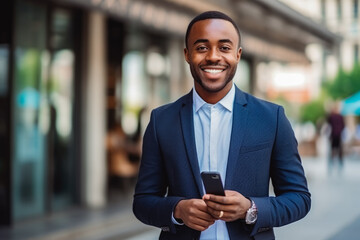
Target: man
(337, 126)
(217, 127)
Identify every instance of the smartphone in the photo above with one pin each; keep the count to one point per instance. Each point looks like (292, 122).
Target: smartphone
(212, 183)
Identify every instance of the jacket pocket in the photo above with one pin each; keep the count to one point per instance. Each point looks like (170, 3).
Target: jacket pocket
(257, 147)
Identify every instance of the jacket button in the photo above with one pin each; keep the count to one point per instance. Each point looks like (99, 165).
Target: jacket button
(165, 229)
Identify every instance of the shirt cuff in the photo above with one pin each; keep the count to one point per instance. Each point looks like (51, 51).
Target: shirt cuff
(174, 220)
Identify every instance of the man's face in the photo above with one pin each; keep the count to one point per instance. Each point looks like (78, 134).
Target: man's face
(213, 55)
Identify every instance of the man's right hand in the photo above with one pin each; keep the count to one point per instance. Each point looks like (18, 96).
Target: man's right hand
(194, 214)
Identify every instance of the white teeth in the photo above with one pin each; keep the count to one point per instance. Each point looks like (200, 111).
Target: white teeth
(213, 70)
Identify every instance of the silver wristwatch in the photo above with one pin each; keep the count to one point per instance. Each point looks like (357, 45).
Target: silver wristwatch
(251, 214)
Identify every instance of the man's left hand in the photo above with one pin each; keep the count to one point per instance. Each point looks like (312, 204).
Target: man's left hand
(234, 205)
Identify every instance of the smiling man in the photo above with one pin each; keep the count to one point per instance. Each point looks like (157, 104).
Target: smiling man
(212, 60)
(217, 127)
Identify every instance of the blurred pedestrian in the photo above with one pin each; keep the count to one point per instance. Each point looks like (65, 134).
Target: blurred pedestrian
(337, 125)
(217, 127)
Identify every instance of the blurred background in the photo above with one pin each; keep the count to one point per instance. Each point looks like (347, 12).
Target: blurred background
(78, 79)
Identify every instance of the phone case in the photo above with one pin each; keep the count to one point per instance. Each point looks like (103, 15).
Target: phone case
(212, 183)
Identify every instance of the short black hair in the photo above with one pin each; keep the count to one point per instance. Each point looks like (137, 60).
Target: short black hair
(211, 15)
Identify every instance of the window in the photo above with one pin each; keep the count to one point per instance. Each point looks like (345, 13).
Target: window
(43, 162)
(323, 10)
(29, 140)
(356, 9)
(339, 9)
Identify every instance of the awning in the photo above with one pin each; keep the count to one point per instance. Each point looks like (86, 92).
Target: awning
(351, 105)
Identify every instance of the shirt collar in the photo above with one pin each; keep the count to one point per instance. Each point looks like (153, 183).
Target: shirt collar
(227, 101)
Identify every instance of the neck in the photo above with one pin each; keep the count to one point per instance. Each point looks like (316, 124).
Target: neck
(213, 97)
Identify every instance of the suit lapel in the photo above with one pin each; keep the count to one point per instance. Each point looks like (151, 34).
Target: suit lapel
(187, 124)
(240, 115)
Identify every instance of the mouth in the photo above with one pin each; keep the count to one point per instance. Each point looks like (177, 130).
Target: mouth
(213, 69)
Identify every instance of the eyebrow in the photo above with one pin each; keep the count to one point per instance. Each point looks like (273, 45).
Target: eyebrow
(225, 41)
(202, 40)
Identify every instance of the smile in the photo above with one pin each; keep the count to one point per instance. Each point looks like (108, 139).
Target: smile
(213, 71)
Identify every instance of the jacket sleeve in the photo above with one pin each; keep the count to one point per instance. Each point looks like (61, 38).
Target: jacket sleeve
(151, 205)
(292, 197)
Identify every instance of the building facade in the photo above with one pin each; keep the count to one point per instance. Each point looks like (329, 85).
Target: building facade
(341, 17)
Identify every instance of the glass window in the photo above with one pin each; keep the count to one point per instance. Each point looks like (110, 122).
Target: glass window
(28, 185)
(356, 8)
(323, 9)
(43, 156)
(157, 70)
(4, 65)
(60, 95)
(134, 94)
(339, 9)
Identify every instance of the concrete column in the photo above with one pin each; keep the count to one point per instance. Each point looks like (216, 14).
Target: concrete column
(254, 78)
(176, 58)
(95, 118)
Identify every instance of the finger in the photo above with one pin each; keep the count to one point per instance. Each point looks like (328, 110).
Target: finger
(231, 193)
(195, 222)
(217, 213)
(218, 206)
(226, 216)
(201, 206)
(200, 209)
(216, 198)
(199, 227)
(204, 216)
(200, 221)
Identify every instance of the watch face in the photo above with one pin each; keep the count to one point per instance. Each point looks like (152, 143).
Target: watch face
(251, 216)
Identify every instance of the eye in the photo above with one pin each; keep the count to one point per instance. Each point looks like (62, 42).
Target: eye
(201, 48)
(225, 48)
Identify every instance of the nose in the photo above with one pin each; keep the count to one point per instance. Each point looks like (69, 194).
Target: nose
(213, 55)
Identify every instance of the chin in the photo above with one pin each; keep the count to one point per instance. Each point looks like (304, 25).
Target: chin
(214, 87)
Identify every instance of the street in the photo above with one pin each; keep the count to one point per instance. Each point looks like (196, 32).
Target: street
(335, 213)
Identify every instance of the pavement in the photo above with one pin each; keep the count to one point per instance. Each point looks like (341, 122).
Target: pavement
(335, 213)
(115, 221)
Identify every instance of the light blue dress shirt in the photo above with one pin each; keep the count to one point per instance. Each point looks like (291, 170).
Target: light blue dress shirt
(213, 124)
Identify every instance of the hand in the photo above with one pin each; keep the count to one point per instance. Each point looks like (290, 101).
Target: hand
(234, 205)
(194, 214)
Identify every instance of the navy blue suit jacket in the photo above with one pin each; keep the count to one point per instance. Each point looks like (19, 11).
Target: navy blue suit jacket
(262, 147)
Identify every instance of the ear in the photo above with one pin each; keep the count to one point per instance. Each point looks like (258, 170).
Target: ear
(238, 54)
(186, 54)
